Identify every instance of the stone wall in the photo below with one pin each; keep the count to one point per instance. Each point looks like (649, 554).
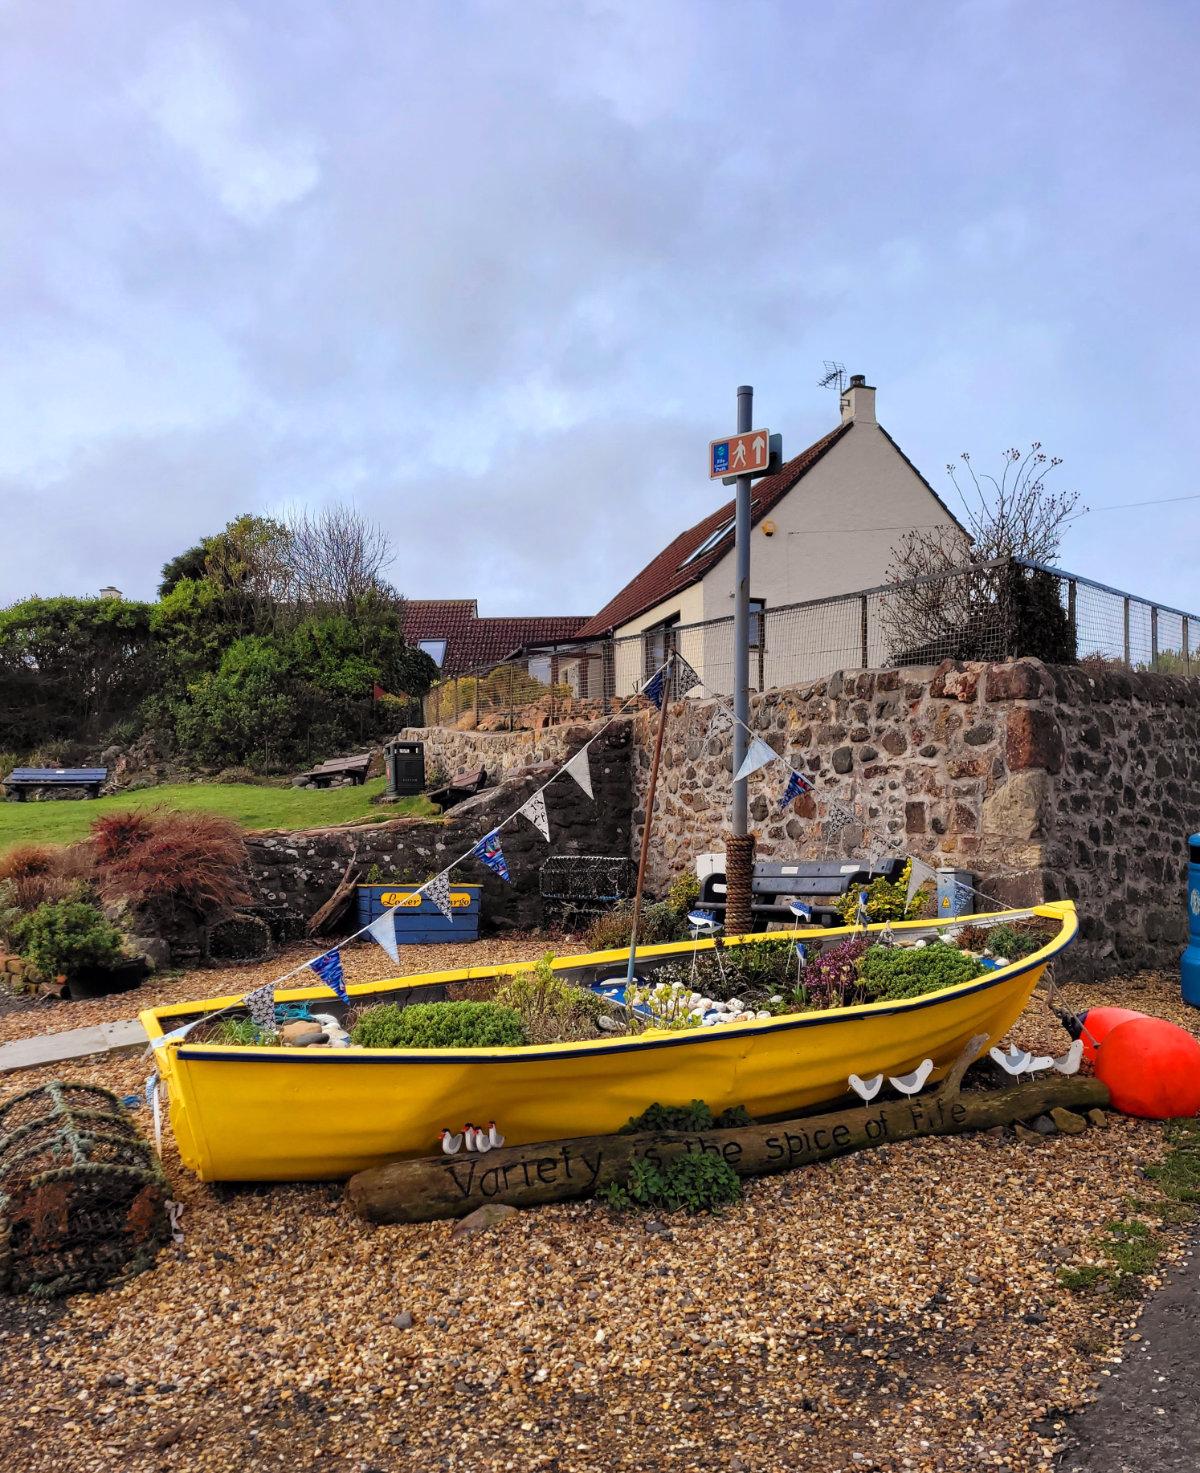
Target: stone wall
(500, 752)
(1045, 783)
(293, 873)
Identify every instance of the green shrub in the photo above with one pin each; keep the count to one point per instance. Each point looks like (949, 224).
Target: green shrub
(661, 920)
(696, 1182)
(1015, 940)
(765, 966)
(885, 900)
(62, 937)
(893, 972)
(696, 1116)
(684, 895)
(440, 1025)
(550, 1010)
(243, 1032)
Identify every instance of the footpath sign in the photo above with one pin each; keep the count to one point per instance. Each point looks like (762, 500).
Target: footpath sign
(740, 455)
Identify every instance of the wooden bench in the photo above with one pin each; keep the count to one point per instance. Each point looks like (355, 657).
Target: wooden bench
(22, 781)
(340, 770)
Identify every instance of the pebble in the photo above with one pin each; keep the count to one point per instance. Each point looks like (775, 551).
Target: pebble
(1067, 1121)
(1045, 1126)
(403, 1320)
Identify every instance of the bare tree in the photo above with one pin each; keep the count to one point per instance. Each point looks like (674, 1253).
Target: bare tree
(336, 559)
(972, 596)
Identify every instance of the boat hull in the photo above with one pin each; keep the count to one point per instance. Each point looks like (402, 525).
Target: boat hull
(260, 1114)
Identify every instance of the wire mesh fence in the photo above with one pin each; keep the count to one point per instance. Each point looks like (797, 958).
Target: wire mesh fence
(988, 612)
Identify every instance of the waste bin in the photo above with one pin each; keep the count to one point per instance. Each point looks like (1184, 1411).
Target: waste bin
(1190, 967)
(405, 768)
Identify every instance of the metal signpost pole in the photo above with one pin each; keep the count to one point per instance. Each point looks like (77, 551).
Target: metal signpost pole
(739, 860)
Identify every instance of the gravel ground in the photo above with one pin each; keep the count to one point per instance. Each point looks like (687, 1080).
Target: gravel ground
(898, 1309)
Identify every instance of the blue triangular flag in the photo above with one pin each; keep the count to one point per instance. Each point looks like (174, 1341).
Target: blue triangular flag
(655, 687)
(329, 969)
(797, 783)
(489, 852)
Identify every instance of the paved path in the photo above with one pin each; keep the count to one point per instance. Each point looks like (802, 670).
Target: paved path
(74, 1043)
(1147, 1419)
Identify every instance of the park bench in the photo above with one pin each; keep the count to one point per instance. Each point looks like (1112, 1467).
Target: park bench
(61, 782)
(462, 785)
(337, 772)
(820, 884)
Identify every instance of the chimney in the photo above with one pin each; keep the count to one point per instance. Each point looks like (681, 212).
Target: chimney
(858, 401)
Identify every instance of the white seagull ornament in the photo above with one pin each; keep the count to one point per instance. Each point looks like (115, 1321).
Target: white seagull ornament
(866, 1089)
(1015, 1061)
(909, 1084)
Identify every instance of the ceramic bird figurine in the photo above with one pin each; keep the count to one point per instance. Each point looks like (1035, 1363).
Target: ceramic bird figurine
(494, 1136)
(1015, 1061)
(1039, 1063)
(866, 1089)
(468, 1135)
(1070, 1061)
(451, 1144)
(909, 1084)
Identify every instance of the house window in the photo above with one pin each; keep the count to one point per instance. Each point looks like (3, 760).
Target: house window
(435, 649)
(659, 641)
(757, 609)
(708, 544)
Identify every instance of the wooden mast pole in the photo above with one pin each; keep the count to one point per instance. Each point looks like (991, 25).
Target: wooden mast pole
(647, 822)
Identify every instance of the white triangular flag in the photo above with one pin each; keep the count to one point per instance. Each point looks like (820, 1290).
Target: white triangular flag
(534, 809)
(758, 756)
(438, 890)
(383, 931)
(580, 770)
(918, 874)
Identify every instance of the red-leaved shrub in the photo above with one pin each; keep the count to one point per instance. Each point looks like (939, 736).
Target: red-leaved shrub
(115, 834)
(194, 860)
(32, 874)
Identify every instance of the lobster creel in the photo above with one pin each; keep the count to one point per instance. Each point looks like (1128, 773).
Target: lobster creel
(82, 1195)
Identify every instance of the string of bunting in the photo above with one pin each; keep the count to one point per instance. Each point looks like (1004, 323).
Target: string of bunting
(488, 850)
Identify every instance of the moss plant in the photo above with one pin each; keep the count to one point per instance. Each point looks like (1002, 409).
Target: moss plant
(436, 1025)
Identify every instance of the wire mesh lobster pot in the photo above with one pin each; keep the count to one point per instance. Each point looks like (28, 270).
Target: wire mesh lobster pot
(576, 888)
(82, 1194)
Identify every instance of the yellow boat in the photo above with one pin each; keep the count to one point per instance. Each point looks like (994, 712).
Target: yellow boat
(290, 1114)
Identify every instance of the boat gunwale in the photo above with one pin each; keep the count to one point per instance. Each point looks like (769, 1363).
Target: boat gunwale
(1064, 912)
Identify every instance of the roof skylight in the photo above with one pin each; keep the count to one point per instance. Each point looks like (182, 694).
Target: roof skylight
(708, 544)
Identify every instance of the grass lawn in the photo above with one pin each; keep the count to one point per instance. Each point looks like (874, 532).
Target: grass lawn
(252, 806)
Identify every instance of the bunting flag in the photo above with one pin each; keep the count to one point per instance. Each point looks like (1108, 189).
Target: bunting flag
(534, 809)
(383, 932)
(489, 852)
(758, 755)
(656, 687)
(919, 874)
(329, 969)
(580, 770)
(797, 784)
(685, 678)
(839, 818)
(261, 1003)
(719, 722)
(438, 890)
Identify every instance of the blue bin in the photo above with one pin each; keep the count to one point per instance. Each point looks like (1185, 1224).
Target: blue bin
(1190, 965)
(955, 896)
(418, 920)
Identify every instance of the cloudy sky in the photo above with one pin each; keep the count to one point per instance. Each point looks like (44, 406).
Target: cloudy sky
(492, 271)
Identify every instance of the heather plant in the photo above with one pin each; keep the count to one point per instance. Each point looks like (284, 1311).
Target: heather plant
(830, 979)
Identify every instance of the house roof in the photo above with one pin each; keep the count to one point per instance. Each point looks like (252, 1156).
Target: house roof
(671, 571)
(472, 641)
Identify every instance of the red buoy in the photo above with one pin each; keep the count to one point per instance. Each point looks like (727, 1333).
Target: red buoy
(1098, 1023)
(1151, 1068)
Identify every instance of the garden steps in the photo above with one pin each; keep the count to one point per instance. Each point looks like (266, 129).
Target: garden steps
(73, 1043)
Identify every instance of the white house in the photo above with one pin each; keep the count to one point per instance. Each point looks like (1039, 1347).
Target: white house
(825, 524)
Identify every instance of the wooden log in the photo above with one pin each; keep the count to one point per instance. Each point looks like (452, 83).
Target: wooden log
(325, 920)
(432, 1187)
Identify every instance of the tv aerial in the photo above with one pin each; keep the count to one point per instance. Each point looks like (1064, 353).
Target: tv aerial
(834, 376)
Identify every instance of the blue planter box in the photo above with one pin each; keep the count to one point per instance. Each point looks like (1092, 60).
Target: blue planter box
(418, 920)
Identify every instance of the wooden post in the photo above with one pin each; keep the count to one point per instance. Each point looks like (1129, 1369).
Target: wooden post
(647, 823)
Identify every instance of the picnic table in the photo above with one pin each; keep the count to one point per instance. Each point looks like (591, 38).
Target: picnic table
(22, 781)
(339, 771)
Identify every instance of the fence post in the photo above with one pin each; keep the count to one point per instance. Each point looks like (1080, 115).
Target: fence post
(1128, 662)
(863, 631)
(1154, 636)
(1187, 655)
(1072, 597)
(511, 722)
(478, 682)
(457, 711)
